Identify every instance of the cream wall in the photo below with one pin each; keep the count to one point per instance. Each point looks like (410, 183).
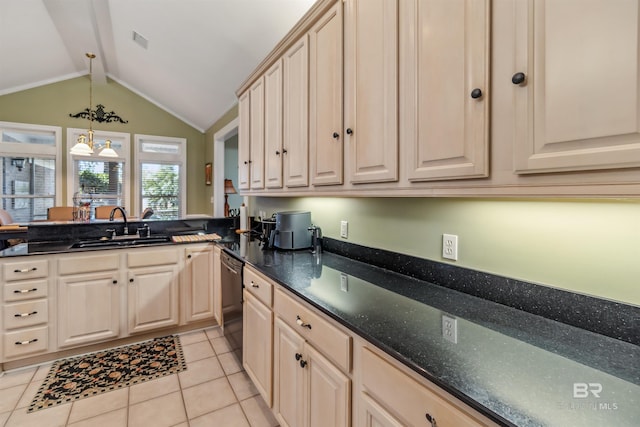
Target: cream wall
(51, 105)
(585, 246)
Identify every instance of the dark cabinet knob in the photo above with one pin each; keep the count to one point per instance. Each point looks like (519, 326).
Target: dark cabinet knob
(115, 282)
(245, 162)
(298, 356)
(431, 419)
(189, 256)
(476, 93)
(336, 135)
(131, 280)
(303, 363)
(518, 78)
(349, 131)
(277, 153)
(284, 151)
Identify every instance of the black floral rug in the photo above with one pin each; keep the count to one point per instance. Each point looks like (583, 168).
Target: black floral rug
(90, 374)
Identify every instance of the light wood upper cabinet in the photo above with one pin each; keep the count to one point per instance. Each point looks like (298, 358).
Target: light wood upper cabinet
(371, 90)
(296, 114)
(273, 126)
(579, 105)
(256, 132)
(244, 138)
(325, 99)
(444, 58)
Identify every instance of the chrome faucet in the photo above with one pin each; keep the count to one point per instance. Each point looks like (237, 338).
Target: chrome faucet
(124, 217)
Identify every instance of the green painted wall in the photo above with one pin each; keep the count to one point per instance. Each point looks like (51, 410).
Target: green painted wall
(51, 105)
(231, 114)
(585, 246)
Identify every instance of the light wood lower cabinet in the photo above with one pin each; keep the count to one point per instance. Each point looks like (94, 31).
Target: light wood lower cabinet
(257, 344)
(309, 389)
(88, 308)
(390, 397)
(198, 289)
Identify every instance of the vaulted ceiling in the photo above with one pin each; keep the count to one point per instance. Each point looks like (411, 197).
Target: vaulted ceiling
(197, 51)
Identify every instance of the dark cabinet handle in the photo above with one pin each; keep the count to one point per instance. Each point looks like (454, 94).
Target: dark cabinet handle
(298, 356)
(115, 282)
(189, 256)
(349, 131)
(336, 135)
(24, 291)
(249, 161)
(277, 153)
(245, 162)
(284, 151)
(476, 93)
(518, 78)
(26, 342)
(303, 363)
(26, 270)
(431, 420)
(25, 314)
(131, 280)
(302, 323)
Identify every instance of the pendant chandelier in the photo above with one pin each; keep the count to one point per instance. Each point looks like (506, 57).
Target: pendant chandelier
(84, 146)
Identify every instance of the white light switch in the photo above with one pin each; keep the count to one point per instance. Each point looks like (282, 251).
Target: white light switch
(344, 229)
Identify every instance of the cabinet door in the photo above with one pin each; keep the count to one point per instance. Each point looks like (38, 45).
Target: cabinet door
(244, 139)
(329, 392)
(371, 89)
(153, 298)
(444, 58)
(374, 415)
(198, 284)
(273, 126)
(579, 106)
(88, 308)
(217, 285)
(289, 384)
(296, 115)
(256, 132)
(257, 345)
(325, 100)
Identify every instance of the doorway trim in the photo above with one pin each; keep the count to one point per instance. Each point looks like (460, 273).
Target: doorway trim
(229, 130)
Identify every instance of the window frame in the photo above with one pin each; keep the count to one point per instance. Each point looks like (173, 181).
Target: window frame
(12, 149)
(124, 155)
(161, 158)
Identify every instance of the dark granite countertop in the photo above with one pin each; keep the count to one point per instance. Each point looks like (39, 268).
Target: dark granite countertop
(518, 368)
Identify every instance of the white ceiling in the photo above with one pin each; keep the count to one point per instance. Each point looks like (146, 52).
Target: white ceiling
(199, 51)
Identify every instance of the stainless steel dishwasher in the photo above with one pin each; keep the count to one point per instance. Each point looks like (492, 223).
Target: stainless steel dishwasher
(231, 276)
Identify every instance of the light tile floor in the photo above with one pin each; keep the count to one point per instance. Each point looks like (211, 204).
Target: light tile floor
(214, 390)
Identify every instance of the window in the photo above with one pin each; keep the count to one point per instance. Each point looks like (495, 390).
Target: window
(30, 164)
(99, 180)
(161, 175)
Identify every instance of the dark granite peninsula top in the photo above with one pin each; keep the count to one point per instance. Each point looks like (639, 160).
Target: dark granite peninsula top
(518, 368)
(57, 237)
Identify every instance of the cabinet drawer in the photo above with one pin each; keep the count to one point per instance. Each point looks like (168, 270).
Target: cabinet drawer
(31, 269)
(88, 263)
(18, 291)
(148, 258)
(258, 286)
(28, 313)
(334, 343)
(24, 342)
(409, 400)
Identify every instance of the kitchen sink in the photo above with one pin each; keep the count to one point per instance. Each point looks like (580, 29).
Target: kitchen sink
(121, 241)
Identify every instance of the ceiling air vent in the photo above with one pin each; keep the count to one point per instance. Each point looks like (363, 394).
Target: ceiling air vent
(140, 39)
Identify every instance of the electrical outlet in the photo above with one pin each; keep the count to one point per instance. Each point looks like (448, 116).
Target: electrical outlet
(450, 328)
(344, 282)
(450, 246)
(344, 229)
